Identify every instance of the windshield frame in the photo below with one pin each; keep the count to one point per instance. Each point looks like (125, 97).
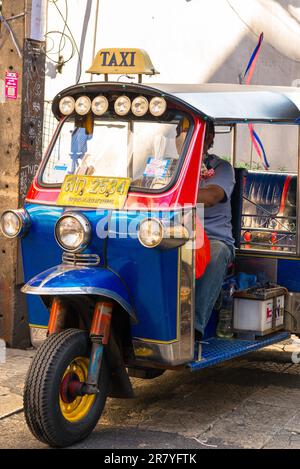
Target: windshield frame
(136, 189)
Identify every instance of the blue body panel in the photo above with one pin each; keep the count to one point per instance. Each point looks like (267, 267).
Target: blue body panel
(40, 251)
(152, 277)
(217, 350)
(149, 277)
(288, 274)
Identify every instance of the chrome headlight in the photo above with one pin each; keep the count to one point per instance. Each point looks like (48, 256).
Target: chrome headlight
(139, 106)
(14, 223)
(122, 105)
(154, 233)
(150, 232)
(83, 105)
(99, 105)
(67, 105)
(157, 106)
(73, 232)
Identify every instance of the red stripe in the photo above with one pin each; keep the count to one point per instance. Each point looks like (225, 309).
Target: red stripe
(284, 194)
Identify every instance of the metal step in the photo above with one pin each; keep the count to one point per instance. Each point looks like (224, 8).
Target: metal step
(217, 350)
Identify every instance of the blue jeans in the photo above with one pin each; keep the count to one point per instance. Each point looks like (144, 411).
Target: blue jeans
(208, 287)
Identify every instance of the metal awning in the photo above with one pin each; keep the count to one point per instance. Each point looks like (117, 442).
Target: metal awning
(223, 103)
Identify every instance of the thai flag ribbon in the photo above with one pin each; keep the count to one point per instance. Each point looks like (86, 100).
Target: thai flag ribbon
(252, 62)
(259, 148)
(257, 143)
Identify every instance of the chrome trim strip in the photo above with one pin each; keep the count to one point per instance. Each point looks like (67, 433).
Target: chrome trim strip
(81, 291)
(71, 258)
(166, 354)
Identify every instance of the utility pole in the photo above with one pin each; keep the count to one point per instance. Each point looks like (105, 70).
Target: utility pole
(14, 22)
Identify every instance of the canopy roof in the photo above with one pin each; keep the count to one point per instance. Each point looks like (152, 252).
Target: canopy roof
(223, 103)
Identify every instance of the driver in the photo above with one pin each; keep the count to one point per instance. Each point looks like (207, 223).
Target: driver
(215, 189)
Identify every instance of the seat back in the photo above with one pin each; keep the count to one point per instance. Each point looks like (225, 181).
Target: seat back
(270, 204)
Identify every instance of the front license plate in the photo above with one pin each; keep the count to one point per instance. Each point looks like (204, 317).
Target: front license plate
(94, 192)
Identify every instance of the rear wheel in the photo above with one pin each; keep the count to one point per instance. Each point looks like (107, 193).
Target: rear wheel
(53, 412)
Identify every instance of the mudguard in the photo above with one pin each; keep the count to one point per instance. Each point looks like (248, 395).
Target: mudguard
(76, 280)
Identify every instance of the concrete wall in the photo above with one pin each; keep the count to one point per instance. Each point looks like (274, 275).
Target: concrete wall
(191, 41)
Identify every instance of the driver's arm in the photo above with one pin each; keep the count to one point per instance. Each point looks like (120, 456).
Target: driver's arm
(210, 196)
(219, 187)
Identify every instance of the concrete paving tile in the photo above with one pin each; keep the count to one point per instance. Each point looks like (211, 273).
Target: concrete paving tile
(4, 390)
(118, 415)
(293, 369)
(193, 405)
(278, 396)
(284, 440)
(15, 434)
(119, 438)
(294, 424)
(10, 403)
(189, 424)
(251, 425)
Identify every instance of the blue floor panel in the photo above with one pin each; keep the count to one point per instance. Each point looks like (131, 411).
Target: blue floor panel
(217, 350)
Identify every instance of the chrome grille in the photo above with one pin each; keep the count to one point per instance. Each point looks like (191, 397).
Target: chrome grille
(73, 258)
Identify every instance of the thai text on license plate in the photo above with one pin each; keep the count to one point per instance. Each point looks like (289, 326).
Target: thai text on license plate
(94, 192)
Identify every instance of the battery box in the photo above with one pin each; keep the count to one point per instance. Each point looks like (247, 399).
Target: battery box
(259, 310)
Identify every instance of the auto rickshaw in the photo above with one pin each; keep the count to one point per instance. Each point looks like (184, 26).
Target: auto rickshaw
(108, 239)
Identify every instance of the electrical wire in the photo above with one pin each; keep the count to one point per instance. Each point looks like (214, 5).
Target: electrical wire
(61, 48)
(66, 20)
(70, 37)
(12, 35)
(62, 41)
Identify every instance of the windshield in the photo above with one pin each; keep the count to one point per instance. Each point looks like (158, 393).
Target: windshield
(147, 152)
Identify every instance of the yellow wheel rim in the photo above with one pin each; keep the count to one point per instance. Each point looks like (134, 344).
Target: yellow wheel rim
(79, 407)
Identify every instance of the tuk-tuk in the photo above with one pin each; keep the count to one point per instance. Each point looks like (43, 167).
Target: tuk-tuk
(109, 241)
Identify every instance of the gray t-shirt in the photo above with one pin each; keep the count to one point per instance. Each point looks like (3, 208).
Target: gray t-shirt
(217, 219)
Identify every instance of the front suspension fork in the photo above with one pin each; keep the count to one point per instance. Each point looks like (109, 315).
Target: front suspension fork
(99, 335)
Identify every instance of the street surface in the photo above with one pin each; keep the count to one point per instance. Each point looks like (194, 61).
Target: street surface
(251, 402)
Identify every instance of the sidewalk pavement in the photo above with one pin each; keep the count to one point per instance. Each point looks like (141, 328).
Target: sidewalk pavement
(13, 371)
(12, 377)
(249, 402)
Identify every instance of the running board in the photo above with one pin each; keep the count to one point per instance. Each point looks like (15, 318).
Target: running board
(217, 350)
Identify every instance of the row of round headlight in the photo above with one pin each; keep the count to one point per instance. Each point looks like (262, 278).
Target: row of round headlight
(73, 232)
(139, 106)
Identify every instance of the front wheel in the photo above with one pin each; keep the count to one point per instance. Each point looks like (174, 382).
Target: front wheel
(52, 414)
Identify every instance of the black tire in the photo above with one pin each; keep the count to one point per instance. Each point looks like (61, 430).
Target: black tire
(42, 409)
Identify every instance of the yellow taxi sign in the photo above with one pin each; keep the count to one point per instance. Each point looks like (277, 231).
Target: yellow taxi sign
(122, 61)
(94, 192)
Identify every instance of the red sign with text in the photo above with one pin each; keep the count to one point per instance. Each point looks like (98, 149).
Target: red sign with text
(11, 85)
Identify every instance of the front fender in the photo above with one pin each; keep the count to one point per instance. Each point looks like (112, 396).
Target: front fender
(74, 280)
